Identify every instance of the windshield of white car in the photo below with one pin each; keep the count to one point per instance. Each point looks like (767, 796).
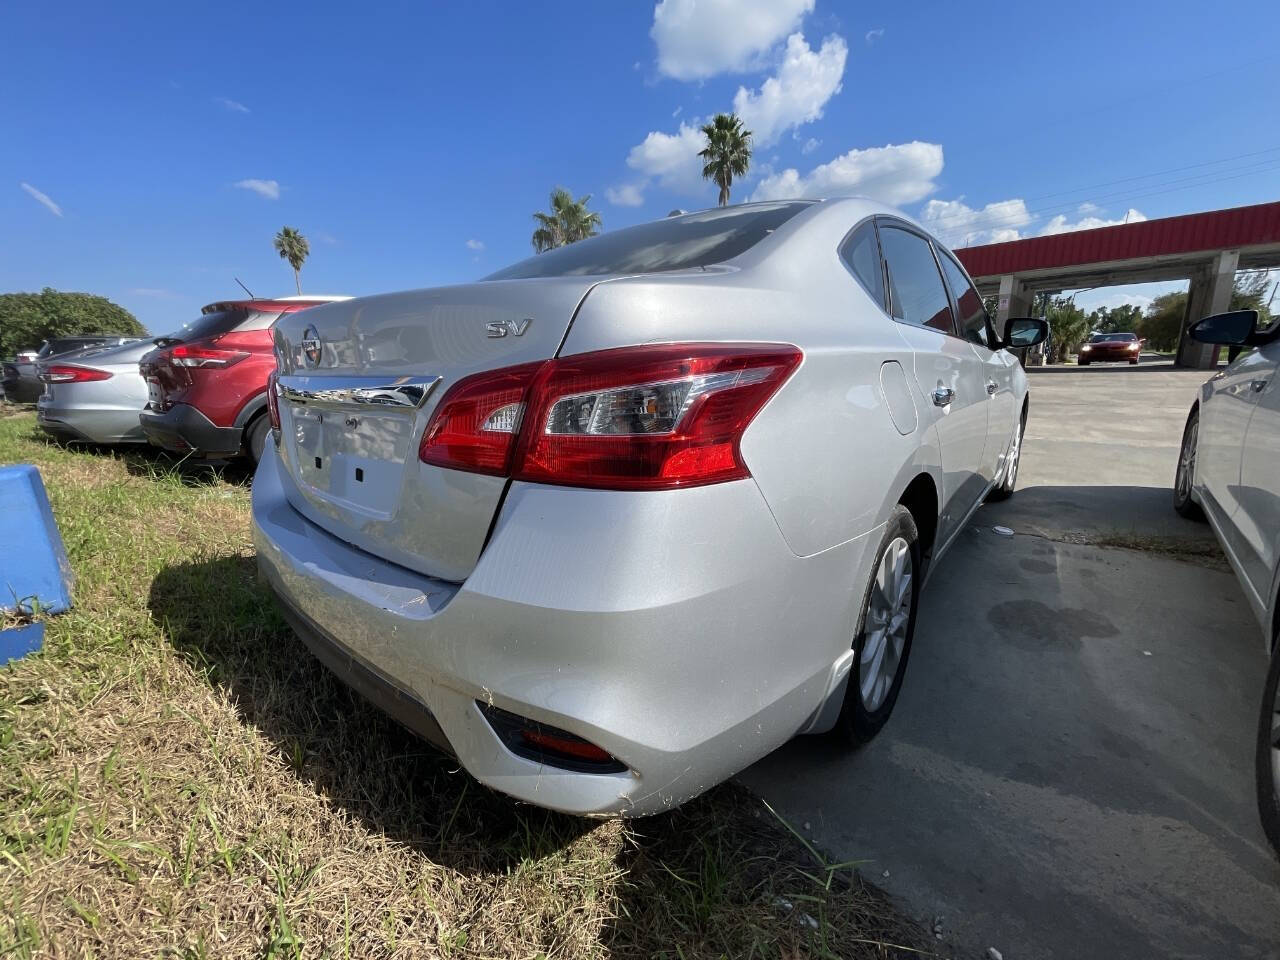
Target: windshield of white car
(677, 243)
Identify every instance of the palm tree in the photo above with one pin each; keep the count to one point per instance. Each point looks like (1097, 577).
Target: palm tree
(727, 154)
(568, 222)
(293, 246)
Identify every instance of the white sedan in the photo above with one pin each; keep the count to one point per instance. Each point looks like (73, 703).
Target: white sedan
(1229, 472)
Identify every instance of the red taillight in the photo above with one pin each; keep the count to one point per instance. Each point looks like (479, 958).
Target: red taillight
(66, 373)
(273, 402)
(197, 355)
(638, 418)
(478, 420)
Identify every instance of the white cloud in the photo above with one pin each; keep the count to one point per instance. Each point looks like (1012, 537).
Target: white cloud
(158, 293)
(476, 245)
(874, 35)
(627, 195)
(1088, 207)
(235, 106)
(805, 81)
(810, 145)
(42, 198)
(960, 225)
(697, 39)
(324, 237)
(263, 188)
(676, 112)
(671, 158)
(896, 173)
(1060, 224)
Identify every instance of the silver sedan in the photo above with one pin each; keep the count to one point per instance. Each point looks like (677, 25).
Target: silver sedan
(94, 395)
(1229, 473)
(617, 521)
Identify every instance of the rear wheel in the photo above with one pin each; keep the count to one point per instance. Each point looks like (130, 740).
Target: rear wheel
(255, 437)
(1133, 361)
(1082, 363)
(1268, 754)
(1185, 476)
(885, 629)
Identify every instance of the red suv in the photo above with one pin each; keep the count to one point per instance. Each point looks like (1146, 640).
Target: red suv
(207, 390)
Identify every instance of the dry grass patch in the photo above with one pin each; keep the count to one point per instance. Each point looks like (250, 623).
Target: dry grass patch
(179, 778)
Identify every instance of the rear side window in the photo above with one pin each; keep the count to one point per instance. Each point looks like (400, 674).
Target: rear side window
(974, 323)
(916, 293)
(861, 253)
(677, 243)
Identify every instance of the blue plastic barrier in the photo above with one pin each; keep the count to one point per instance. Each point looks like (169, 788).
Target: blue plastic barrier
(34, 572)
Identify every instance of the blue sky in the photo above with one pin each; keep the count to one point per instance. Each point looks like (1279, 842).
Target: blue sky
(152, 150)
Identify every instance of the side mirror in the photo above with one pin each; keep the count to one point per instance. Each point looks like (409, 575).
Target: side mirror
(1025, 332)
(1234, 329)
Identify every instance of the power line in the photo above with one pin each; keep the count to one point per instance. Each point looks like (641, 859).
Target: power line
(1012, 219)
(980, 224)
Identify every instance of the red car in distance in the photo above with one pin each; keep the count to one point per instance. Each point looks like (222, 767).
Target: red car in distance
(207, 389)
(1110, 348)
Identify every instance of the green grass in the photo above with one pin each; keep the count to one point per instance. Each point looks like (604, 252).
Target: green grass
(179, 778)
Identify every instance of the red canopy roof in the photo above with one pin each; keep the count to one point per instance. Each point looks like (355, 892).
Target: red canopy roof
(1192, 232)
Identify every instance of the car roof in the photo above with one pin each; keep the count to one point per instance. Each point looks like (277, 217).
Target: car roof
(273, 303)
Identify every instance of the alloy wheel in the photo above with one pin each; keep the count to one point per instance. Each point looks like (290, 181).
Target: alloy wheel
(1015, 454)
(885, 626)
(1187, 461)
(1275, 744)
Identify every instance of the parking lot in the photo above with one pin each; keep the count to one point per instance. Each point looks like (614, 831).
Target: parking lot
(1068, 772)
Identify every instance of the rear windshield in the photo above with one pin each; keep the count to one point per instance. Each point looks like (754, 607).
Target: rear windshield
(678, 243)
(213, 324)
(67, 344)
(1113, 337)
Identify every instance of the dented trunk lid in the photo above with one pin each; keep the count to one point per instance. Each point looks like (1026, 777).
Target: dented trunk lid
(359, 381)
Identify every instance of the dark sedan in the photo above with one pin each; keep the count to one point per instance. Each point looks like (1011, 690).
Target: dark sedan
(1111, 348)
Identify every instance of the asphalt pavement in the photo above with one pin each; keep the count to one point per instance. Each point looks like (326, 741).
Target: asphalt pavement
(1068, 771)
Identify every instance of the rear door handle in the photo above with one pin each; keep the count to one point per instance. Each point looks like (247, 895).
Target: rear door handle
(943, 396)
(991, 388)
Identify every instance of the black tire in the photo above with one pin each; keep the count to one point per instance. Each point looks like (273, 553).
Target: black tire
(1133, 362)
(1004, 489)
(857, 724)
(1082, 363)
(1182, 499)
(1266, 771)
(255, 437)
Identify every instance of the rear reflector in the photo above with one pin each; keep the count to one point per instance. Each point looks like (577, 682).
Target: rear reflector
(639, 418)
(68, 373)
(548, 745)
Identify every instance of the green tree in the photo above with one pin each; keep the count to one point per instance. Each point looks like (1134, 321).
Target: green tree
(1250, 293)
(727, 153)
(1162, 324)
(1068, 327)
(1121, 319)
(568, 222)
(293, 246)
(27, 319)
(1161, 327)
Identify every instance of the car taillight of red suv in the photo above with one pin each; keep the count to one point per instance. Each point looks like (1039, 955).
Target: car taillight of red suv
(207, 382)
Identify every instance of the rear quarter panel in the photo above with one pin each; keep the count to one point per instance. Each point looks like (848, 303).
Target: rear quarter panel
(825, 451)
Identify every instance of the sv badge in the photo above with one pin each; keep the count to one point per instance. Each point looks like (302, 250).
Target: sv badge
(507, 328)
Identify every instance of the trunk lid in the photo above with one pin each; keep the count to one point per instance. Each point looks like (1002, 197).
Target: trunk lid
(359, 381)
